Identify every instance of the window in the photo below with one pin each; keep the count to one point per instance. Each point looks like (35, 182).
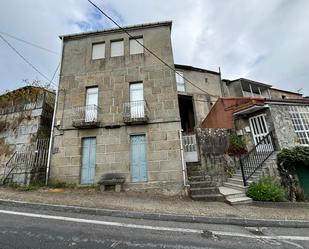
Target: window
(98, 51)
(117, 48)
(300, 119)
(91, 109)
(180, 81)
(135, 47)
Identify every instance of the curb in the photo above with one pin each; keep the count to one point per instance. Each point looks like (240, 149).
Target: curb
(159, 216)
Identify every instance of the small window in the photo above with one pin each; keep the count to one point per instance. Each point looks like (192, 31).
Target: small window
(180, 82)
(206, 80)
(283, 96)
(136, 47)
(98, 51)
(117, 48)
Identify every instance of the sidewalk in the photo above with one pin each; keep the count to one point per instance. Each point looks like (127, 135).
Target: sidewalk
(150, 203)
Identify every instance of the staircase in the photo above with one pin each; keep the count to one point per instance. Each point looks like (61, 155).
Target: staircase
(255, 164)
(201, 187)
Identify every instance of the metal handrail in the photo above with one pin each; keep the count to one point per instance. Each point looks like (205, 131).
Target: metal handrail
(255, 158)
(6, 165)
(87, 113)
(136, 110)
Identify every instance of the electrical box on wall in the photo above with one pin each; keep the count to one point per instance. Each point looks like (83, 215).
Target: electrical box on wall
(239, 133)
(247, 129)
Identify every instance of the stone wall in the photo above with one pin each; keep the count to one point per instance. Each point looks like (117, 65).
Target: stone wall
(213, 144)
(282, 125)
(113, 154)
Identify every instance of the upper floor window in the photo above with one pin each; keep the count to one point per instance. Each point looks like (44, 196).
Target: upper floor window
(117, 48)
(136, 47)
(98, 51)
(180, 82)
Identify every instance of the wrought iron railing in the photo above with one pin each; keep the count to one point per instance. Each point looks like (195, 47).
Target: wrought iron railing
(32, 160)
(135, 111)
(85, 114)
(255, 158)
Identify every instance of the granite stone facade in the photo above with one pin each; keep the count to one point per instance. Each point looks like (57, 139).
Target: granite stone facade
(113, 76)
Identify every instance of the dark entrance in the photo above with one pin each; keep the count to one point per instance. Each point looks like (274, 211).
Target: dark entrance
(186, 113)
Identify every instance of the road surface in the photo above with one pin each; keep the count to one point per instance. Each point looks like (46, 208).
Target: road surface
(30, 229)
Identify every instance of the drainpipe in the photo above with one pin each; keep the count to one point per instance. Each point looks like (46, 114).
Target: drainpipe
(53, 122)
(183, 163)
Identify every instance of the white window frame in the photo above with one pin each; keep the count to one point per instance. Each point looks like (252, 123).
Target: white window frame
(301, 127)
(180, 82)
(98, 51)
(135, 47)
(117, 51)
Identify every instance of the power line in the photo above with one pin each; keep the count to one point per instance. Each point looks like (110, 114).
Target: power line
(29, 43)
(151, 52)
(28, 62)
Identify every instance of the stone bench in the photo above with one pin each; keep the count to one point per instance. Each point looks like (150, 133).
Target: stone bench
(112, 180)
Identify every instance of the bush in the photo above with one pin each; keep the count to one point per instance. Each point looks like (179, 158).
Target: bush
(237, 145)
(267, 189)
(288, 160)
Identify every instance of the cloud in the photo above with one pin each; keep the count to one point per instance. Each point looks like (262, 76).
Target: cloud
(263, 40)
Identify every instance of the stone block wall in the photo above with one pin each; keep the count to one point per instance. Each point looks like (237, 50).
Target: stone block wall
(213, 144)
(113, 154)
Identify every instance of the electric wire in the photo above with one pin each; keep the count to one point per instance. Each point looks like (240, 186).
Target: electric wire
(29, 43)
(28, 62)
(151, 52)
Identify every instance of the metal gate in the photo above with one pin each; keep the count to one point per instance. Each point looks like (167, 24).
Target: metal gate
(190, 148)
(259, 131)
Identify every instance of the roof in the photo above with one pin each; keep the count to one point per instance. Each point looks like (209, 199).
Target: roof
(250, 81)
(26, 87)
(114, 30)
(285, 91)
(303, 101)
(202, 70)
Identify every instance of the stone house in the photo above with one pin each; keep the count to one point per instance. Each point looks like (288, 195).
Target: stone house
(267, 125)
(117, 110)
(25, 125)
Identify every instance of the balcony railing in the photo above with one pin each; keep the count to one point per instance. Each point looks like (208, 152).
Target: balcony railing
(86, 116)
(136, 112)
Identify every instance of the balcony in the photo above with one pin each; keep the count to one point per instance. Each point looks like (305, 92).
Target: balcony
(86, 116)
(136, 112)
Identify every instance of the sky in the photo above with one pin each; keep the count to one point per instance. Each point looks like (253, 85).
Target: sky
(263, 40)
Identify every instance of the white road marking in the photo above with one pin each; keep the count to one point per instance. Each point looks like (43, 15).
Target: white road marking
(157, 228)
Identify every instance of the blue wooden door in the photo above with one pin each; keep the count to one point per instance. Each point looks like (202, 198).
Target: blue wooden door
(88, 161)
(138, 158)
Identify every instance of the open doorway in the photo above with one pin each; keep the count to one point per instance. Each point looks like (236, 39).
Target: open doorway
(186, 113)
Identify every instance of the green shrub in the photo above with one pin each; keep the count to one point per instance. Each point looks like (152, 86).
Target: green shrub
(237, 145)
(267, 189)
(57, 184)
(288, 160)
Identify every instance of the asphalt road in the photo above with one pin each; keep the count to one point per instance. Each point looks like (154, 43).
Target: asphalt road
(31, 229)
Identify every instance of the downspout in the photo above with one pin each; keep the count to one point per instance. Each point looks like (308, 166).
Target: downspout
(183, 163)
(53, 121)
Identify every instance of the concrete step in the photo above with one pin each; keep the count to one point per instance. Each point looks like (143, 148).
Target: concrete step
(211, 197)
(231, 193)
(201, 184)
(195, 173)
(235, 186)
(239, 176)
(237, 181)
(204, 191)
(199, 178)
(238, 200)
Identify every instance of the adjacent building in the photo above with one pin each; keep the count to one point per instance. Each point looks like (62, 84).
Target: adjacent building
(25, 124)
